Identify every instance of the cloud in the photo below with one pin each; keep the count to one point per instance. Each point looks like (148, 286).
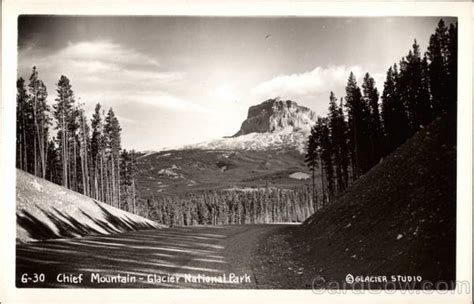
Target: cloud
(311, 88)
(167, 101)
(107, 52)
(99, 61)
(108, 72)
(312, 83)
(308, 83)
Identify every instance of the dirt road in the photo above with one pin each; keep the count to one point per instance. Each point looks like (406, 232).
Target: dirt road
(180, 257)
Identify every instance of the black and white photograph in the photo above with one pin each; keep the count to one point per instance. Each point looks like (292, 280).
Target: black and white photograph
(276, 152)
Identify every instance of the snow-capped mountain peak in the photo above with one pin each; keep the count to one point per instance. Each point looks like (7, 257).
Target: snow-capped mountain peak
(272, 125)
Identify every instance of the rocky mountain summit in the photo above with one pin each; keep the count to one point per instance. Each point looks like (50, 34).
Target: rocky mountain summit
(274, 115)
(272, 125)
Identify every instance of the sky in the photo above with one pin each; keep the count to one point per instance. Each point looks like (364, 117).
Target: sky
(179, 80)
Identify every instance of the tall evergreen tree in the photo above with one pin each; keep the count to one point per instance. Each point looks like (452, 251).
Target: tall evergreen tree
(128, 171)
(394, 117)
(338, 135)
(53, 163)
(358, 119)
(24, 128)
(84, 150)
(62, 112)
(326, 149)
(38, 96)
(375, 136)
(112, 132)
(437, 55)
(452, 67)
(74, 149)
(311, 159)
(344, 145)
(415, 90)
(98, 153)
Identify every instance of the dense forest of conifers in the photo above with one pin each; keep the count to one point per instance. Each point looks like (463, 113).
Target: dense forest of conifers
(269, 205)
(61, 145)
(359, 131)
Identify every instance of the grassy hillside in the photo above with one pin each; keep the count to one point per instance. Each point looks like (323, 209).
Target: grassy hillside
(398, 219)
(45, 211)
(180, 171)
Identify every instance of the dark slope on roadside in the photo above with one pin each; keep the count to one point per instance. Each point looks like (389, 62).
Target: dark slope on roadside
(398, 219)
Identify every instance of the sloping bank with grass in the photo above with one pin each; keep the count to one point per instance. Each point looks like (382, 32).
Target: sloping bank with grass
(47, 211)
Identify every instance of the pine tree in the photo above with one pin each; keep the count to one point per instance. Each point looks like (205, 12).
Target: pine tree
(414, 88)
(326, 156)
(128, 171)
(63, 112)
(84, 151)
(38, 96)
(338, 135)
(113, 147)
(53, 163)
(437, 55)
(452, 67)
(74, 149)
(358, 122)
(345, 157)
(311, 159)
(24, 128)
(395, 121)
(98, 153)
(318, 142)
(375, 132)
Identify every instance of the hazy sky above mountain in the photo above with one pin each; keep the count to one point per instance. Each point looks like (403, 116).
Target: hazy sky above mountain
(180, 80)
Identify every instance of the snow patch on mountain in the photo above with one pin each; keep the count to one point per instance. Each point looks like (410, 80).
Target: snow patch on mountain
(171, 172)
(271, 125)
(281, 140)
(299, 175)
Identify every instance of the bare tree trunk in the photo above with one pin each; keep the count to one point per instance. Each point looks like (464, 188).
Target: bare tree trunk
(94, 181)
(106, 181)
(322, 181)
(64, 151)
(102, 193)
(46, 157)
(118, 180)
(112, 181)
(35, 167)
(133, 195)
(24, 161)
(20, 156)
(86, 170)
(39, 130)
(314, 198)
(74, 160)
(356, 172)
(83, 173)
(40, 137)
(86, 165)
